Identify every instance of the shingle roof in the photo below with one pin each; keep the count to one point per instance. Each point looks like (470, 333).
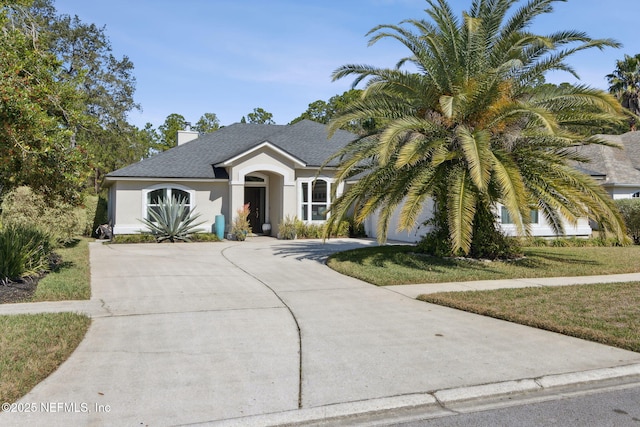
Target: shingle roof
(305, 140)
(618, 165)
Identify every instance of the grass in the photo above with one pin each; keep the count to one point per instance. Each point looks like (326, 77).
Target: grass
(71, 280)
(397, 265)
(33, 346)
(604, 313)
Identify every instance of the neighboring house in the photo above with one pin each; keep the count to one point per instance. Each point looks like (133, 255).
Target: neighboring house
(618, 169)
(276, 169)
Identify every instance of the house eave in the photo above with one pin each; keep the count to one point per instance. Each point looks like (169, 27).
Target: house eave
(614, 184)
(110, 179)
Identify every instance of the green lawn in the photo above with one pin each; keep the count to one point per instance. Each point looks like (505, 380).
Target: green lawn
(34, 345)
(71, 280)
(397, 265)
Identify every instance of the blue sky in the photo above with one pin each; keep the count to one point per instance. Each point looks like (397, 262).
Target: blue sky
(228, 56)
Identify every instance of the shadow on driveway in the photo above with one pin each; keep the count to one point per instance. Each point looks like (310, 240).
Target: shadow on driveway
(316, 249)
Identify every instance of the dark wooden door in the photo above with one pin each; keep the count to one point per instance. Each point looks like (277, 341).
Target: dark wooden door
(255, 196)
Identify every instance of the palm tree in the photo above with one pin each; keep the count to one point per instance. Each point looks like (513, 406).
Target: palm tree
(624, 83)
(469, 126)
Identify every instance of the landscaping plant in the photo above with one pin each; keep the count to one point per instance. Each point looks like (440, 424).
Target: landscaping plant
(24, 252)
(241, 227)
(172, 221)
(288, 228)
(469, 126)
(630, 211)
(25, 207)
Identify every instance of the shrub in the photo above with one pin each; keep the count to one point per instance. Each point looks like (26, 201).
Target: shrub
(240, 227)
(56, 218)
(24, 251)
(344, 229)
(532, 241)
(288, 228)
(294, 228)
(488, 241)
(205, 237)
(134, 238)
(630, 210)
(573, 242)
(355, 230)
(309, 231)
(173, 220)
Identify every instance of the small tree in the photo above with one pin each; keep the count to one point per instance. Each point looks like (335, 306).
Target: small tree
(630, 211)
(168, 131)
(207, 123)
(259, 116)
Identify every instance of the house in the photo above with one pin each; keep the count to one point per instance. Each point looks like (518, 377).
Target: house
(277, 170)
(271, 167)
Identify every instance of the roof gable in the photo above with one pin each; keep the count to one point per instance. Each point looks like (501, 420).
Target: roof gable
(259, 147)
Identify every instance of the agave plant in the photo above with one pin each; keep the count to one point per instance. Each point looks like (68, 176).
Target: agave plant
(172, 220)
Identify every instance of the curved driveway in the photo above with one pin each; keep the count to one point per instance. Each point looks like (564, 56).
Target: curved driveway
(211, 333)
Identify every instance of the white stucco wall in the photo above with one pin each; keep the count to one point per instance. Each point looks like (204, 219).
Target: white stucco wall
(128, 205)
(622, 192)
(541, 229)
(393, 234)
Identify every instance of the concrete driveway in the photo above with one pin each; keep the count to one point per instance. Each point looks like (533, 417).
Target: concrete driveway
(262, 332)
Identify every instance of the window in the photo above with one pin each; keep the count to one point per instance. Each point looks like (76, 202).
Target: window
(315, 200)
(506, 218)
(155, 196)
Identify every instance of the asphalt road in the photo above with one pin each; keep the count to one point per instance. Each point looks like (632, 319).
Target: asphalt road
(612, 406)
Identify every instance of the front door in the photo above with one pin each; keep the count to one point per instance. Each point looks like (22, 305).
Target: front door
(255, 196)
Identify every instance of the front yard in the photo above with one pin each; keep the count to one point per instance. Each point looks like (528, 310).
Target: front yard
(34, 345)
(605, 313)
(399, 265)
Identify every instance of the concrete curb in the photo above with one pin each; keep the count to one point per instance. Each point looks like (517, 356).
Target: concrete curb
(438, 402)
(93, 307)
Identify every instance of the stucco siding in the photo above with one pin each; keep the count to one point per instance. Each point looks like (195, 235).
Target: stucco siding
(128, 209)
(208, 200)
(622, 192)
(393, 234)
(540, 229)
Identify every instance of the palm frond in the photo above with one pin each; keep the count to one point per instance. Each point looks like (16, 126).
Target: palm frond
(461, 210)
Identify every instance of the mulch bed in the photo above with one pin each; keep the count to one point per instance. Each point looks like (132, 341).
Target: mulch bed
(18, 291)
(21, 290)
